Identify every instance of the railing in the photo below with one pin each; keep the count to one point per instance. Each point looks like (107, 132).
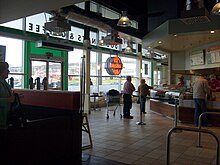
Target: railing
(200, 121)
(192, 130)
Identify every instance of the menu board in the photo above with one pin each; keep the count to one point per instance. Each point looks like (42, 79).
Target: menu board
(213, 55)
(197, 58)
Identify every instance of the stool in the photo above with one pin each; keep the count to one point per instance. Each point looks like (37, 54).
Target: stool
(85, 128)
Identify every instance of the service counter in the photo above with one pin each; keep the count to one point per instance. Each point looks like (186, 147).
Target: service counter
(162, 107)
(53, 133)
(187, 108)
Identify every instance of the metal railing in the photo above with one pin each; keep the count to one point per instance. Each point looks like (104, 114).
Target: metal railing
(192, 130)
(200, 125)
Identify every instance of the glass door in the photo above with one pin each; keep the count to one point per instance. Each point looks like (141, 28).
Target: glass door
(49, 69)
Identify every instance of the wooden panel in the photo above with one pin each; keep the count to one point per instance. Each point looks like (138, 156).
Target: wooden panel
(162, 107)
(51, 99)
(187, 115)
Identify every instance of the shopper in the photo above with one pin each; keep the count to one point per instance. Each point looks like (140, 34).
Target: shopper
(6, 98)
(200, 92)
(127, 97)
(144, 91)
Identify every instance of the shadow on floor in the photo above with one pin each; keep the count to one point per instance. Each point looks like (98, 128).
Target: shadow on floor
(94, 160)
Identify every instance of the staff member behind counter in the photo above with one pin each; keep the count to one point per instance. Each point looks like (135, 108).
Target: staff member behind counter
(214, 84)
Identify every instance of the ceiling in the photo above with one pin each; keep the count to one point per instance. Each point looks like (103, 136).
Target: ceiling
(151, 15)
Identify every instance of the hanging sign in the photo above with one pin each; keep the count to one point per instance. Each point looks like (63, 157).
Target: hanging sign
(113, 65)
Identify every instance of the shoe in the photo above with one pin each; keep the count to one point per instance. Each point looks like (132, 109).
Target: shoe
(144, 112)
(130, 117)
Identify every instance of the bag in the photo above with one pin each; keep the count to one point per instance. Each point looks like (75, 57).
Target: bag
(16, 115)
(138, 100)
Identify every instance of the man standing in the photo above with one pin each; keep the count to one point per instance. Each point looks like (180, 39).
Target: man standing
(127, 97)
(200, 92)
(143, 90)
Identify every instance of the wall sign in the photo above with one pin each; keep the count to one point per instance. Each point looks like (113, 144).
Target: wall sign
(213, 55)
(197, 58)
(113, 65)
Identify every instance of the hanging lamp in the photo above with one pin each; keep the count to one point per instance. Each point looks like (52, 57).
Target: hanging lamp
(216, 8)
(124, 21)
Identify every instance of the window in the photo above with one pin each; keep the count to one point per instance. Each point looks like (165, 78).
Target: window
(74, 61)
(16, 24)
(14, 57)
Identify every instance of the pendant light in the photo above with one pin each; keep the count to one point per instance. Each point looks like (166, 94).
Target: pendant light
(216, 8)
(124, 21)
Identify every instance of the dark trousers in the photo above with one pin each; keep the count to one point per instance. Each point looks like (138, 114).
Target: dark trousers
(3, 151)
(142, 103)
(127, 104)
(200, 107)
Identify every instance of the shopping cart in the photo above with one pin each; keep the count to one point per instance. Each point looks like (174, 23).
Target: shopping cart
(113, 98)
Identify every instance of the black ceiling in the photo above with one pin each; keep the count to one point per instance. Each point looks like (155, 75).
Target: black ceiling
(151, 13)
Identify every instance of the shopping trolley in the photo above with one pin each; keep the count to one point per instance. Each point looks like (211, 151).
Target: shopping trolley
(113, 98)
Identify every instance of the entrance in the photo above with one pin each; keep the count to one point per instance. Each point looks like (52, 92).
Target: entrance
(51, 68)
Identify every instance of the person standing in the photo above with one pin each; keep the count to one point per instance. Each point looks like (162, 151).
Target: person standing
(213, 83)
(128, 89)
(144, 91)
(200, 92)
(6, 97)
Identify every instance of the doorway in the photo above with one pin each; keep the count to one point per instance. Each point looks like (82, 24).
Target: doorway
(51, 68)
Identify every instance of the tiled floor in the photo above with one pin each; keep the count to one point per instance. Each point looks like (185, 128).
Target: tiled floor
(122, 140)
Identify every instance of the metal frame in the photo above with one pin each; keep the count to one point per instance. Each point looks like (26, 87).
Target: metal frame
(192, 130)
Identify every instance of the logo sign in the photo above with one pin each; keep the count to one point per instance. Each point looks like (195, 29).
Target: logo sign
(113, 65)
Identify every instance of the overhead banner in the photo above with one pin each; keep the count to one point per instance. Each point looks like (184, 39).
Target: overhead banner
(2, 52)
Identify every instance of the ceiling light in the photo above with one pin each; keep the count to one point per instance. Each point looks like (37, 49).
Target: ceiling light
(129, 49)
(216, 9)
(57, 26)
(212, 31)
(124, 21)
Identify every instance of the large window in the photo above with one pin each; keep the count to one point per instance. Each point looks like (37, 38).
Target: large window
(16, 24)
(74, 61)
(14, 56)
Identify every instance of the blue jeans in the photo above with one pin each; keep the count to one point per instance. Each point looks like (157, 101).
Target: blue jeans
(200, 107)
(142, 103)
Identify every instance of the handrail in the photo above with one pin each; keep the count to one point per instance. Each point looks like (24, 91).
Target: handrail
(192, 130)
(199, 127)
(176, 112)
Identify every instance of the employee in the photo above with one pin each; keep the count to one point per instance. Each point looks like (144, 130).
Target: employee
(213, 84)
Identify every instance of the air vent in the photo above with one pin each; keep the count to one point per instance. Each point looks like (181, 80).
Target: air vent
(195, 16)
(53, 45)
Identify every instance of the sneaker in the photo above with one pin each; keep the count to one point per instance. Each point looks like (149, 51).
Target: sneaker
(130, 117)
(144, 112)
